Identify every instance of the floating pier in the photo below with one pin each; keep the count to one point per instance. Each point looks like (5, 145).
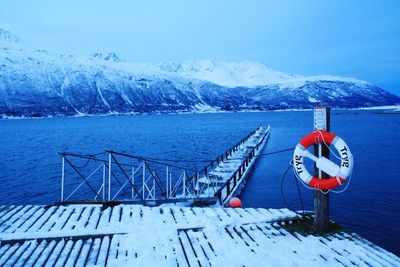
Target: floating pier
(136, 235)
(112, 177)
(227, 178)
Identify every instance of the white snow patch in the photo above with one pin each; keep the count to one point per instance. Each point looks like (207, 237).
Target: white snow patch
(312, 100)
(393, 107)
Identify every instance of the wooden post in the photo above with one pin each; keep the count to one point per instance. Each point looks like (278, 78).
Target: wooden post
(321, 200)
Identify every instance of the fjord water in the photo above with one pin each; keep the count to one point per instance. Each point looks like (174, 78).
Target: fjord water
(30, 168)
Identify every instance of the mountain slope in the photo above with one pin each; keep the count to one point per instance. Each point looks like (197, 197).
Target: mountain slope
(39, 83)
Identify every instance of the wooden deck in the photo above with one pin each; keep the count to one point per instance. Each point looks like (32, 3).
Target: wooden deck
(135, 235)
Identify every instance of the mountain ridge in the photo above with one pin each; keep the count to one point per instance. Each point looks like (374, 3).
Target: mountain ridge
(40, 83)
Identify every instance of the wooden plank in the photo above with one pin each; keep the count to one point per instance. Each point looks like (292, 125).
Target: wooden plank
(180, 256)
(5, 213)
(189, 216)
(9, 253)
(279, 229)
(254, 213)
(126, 213)
(94, 219)
(46, 253)
(255, 216)
(190, 254)
(86, 216)
(19, 252)
(37, 210)
(4, 209)
(259, 232)
(52, 219)
(339, 257)
(18, 219)
(206, 245)
(103, 251)
(212, 213)
(72, 220)
(234, 214)
(4, 248)
(369, 250)
(50, 256)
(40, 222)
(260, 244)
(64, 254)
(239, 212)
(113, 251)
(56, 224)
(73, 255)
(271, 231)
(104, 218)
(10, 214)
(223, 216)
(237, 238)
(201, 254)
(84, 254)
(262, 230)
(239, 232)
(30, 221)
(116, 215)
(94, 252)
(33, 257)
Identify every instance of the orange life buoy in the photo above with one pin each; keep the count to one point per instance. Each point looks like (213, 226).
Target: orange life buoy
(338, 173)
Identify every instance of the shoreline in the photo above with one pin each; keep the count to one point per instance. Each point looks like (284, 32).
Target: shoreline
(393, 108)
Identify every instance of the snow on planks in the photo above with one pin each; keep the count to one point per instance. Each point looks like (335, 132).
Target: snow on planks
(135, 235)
(228, 177)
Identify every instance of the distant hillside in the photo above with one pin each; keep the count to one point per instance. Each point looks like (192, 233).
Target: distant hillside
(39, 83)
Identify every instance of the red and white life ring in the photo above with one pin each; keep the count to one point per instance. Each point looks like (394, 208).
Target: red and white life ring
(338, 174)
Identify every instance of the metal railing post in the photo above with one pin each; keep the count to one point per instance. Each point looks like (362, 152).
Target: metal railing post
(154, 188)
(62, 178)
(109, 176)
(167, 184)
(184, 184)
(133, 181)
(197, 184)
(104, 181)
(144, 181)
(170, 184)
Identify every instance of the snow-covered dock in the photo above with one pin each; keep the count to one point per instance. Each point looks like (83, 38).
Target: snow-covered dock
(110, 176)
(229, 175)
(135, 235)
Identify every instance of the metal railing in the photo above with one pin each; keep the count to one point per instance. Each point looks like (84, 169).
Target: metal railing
(108, 178)
(230, 186)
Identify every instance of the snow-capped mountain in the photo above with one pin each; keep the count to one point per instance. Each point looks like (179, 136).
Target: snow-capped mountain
(240, 74)
(108, 56)
(40, 83)
(9, 37)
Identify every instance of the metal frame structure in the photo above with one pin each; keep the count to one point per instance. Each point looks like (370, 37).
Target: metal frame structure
(143, 181)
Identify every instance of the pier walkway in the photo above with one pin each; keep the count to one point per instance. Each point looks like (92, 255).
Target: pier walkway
(113, 176)
(169, 235)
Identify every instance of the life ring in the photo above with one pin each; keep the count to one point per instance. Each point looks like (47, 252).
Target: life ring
(338, 174)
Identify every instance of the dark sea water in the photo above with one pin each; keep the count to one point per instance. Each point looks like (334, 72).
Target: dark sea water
(30, 168)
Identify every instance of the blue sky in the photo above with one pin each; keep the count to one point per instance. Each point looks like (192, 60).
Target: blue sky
(348, 38)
